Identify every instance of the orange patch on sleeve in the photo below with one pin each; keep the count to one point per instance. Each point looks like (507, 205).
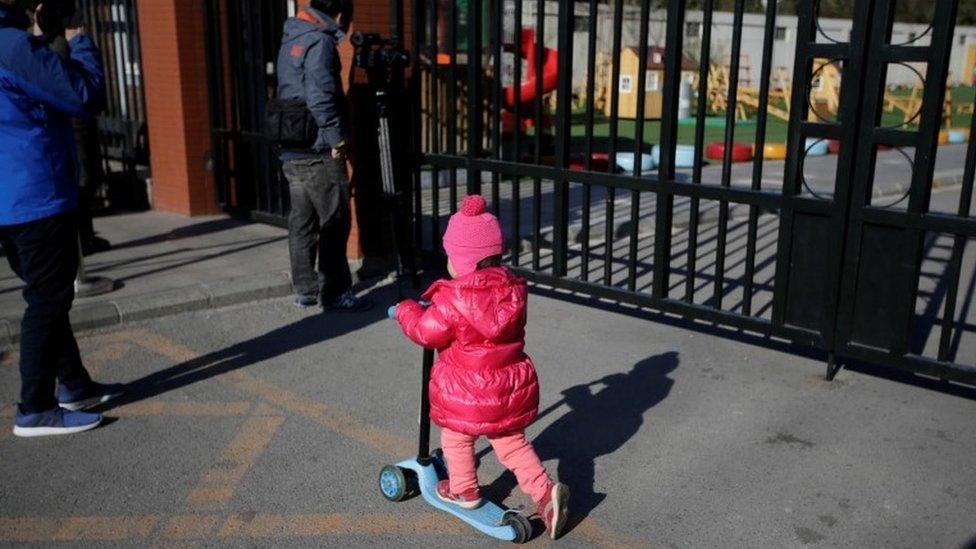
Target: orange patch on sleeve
(296, 50)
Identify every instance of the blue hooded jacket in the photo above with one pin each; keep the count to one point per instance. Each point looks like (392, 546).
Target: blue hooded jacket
(309, 69)
(39, 93)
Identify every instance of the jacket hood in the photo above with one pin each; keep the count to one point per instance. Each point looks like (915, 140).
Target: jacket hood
(311, 20)
(10, 16)
(492, 301)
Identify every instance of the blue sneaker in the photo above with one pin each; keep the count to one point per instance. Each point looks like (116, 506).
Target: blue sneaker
(92, 395)
(57, 421)
(305, 301)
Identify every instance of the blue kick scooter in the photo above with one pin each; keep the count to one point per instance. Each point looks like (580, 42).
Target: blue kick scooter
(421, 474)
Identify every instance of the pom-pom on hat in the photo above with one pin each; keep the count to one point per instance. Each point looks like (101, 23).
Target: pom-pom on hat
(472, 234)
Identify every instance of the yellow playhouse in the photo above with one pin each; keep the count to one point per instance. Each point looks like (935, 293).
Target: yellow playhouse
(653, 85)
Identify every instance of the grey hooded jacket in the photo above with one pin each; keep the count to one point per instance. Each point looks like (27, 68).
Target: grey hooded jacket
(309, 69)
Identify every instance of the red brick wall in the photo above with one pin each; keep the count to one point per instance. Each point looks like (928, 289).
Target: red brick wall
(174, 69)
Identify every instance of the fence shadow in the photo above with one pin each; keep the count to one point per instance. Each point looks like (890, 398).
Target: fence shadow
(599, 422)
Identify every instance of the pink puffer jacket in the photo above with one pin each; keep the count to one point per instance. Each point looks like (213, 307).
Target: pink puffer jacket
(482, 383)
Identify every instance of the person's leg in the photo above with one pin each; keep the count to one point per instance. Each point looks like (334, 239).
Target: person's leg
(302, 230)
(331, 197)
(462, 469)
(519, 457)
(47, 252)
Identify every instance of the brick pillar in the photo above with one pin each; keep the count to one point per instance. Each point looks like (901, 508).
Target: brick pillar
(175, 74)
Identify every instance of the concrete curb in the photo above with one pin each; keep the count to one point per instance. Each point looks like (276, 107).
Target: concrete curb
(211, 295)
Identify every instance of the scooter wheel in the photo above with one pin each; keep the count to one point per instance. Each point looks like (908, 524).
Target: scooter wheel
(393, 483)
(521, 525)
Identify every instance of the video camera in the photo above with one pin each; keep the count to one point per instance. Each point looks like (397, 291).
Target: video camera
(55, 15)
(374, 52)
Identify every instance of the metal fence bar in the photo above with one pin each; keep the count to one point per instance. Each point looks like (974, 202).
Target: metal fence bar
(638, 144)
(588, 140)
(540, 53)
(674, 44)
(436, 132)
(730, 113)
(757, 166)
(516, 140)
(498, 36)
(475, 81)
(611, 193)
(696, 173)
(452, 99)
(564, 130)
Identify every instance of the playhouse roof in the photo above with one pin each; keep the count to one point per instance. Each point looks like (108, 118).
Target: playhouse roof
(655, 58)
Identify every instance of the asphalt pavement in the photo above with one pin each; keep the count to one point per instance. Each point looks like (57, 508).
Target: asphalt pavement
(261, 425)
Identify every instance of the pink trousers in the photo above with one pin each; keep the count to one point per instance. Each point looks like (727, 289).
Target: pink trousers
(513, 451)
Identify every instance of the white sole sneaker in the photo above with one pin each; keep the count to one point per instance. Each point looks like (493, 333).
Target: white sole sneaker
(88, 402)
(30, 432)
(560, 499)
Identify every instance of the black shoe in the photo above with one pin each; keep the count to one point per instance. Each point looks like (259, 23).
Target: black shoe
(349, 303)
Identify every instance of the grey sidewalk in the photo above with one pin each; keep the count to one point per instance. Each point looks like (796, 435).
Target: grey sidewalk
(166, 263)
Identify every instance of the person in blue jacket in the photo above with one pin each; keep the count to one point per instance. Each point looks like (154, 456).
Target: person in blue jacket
(320, 218)
(39, 93)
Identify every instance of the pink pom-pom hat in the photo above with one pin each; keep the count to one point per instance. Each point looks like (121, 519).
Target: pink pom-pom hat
(472, 235)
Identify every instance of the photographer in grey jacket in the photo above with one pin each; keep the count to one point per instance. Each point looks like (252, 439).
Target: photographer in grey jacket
(309, 73)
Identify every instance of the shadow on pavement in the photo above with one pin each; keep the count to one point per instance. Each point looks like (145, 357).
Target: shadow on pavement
(311, 330)
(599, 422)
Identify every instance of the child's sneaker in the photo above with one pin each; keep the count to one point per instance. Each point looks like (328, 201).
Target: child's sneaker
(552, 509)
(468, 500)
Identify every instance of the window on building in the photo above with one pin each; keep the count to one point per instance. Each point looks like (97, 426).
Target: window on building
(780, 34)
(652, 81)
(912, 36)
(626, 83)
(581, 24)
(962, 39)
(693, 30)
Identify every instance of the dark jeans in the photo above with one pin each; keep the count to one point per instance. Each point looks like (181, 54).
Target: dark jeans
(44, 254)
(318, 224)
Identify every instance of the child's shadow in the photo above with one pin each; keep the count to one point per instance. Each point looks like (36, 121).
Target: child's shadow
(597, 424)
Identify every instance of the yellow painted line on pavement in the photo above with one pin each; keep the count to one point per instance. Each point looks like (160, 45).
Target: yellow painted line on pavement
(217, 485)
(385, 442)
(46, 529)
(340, 422)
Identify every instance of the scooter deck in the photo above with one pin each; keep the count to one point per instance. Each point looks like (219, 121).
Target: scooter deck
(487, 518)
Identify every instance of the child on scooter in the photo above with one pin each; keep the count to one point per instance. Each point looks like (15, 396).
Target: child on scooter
(483, 383)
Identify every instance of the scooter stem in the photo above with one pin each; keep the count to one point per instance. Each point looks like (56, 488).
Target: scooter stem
(423, 454)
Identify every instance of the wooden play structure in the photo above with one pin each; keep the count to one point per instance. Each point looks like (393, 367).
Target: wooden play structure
(824, 93)
(910, 104)
(653, 85)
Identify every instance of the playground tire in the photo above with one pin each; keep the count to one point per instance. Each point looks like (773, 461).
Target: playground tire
(521, 525)
(816, 147)
(774, 151)
(957, 136)
(740, 152)
(394, 484)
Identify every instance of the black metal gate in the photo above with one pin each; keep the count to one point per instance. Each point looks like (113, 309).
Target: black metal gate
(242, 47)
(821, 250)
(114, 26)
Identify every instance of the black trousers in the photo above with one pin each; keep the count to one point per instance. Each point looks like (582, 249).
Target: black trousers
(44, 254)
(318, 225)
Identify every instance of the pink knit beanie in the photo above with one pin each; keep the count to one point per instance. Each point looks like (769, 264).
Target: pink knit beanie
(472, 235)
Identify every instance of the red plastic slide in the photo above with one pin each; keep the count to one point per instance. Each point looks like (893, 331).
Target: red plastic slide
(550, 69)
